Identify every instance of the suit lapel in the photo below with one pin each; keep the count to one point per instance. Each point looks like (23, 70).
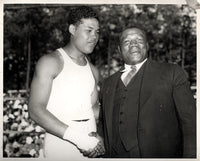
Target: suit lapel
(150, 76)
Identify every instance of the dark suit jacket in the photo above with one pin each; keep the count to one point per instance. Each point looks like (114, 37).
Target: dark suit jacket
(167, 112)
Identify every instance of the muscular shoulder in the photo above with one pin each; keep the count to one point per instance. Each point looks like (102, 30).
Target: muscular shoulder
(50, 64)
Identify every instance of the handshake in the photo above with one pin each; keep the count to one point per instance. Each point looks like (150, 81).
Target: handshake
(91, 145)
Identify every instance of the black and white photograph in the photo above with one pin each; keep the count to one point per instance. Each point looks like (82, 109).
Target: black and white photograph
(99, 80)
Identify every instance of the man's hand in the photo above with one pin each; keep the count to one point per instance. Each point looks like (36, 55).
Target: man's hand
(82, 140)
(98, 150)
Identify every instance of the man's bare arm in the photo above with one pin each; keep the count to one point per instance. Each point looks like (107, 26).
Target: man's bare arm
(46, 69)
(95, 93)
(99, 150)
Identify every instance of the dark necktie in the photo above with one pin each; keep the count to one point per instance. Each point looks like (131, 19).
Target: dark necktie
(130, 75)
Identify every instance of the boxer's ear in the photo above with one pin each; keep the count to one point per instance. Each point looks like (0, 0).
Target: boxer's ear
(72, 29)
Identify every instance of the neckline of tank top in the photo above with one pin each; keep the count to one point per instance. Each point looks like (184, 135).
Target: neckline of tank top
(64, 54)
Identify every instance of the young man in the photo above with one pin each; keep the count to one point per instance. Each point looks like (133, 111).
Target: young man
(148, 110)
(63, 92)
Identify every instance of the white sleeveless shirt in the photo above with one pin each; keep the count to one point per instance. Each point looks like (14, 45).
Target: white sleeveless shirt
(70, 97)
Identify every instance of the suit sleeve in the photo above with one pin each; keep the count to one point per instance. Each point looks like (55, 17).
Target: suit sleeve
(186, 108)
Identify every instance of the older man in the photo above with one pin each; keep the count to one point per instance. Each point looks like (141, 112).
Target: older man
(148, 110)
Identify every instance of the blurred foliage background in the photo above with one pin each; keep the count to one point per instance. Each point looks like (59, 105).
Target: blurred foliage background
(32, 30)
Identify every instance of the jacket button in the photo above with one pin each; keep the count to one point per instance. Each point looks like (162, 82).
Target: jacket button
(121, 113)
(120, 122)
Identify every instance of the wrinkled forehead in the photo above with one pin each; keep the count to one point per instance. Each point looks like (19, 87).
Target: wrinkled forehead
(132, 31)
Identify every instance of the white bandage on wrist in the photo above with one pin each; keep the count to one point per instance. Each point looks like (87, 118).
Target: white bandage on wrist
(81, 140)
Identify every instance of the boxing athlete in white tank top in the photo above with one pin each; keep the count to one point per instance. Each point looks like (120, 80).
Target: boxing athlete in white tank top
(70, 101)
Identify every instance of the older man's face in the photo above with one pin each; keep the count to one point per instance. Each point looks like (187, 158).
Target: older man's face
(133, 46)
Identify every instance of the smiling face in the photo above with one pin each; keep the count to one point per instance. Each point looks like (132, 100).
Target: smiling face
(85, 35)
(133, 46)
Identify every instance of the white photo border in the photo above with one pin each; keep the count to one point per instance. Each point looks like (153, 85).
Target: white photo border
(95, 2)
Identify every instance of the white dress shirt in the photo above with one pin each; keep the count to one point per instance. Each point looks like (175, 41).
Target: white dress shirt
(128, 69)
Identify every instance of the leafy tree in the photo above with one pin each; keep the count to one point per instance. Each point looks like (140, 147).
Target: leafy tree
(31, 31)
